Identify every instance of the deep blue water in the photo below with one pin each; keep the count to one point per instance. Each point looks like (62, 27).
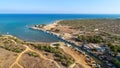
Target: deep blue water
(16, 24)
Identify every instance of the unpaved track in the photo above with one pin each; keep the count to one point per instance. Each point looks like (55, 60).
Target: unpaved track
(20, 65)
(78, 58)
(16, 61)
(73, 65)
(28, 49)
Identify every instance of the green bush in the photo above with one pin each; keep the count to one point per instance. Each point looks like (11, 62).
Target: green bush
(114, 48)
(32, 54)
(69, 62)
(57, 44)
(13, 49)
(47, 48)
(59, 56)
(116, 62)
(90, 39)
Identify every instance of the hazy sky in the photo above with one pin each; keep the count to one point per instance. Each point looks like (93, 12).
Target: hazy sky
(60, 6)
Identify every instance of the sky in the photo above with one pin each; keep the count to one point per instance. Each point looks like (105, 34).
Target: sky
(61, 6)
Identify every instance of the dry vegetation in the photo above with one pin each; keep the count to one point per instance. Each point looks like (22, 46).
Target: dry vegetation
(35, 62)
(105, 25)
(15, 53)
(96, 31)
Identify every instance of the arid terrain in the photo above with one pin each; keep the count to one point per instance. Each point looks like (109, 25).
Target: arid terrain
(96, 45)
(15, 53)
(98, 37)
(70, 29)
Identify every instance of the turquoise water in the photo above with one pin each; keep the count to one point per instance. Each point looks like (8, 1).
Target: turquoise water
(16, 24)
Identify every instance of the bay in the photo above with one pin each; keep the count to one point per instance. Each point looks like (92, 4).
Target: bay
(17, 24)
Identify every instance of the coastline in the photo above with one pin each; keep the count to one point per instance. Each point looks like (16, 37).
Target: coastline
(44, 30)
(68, 43)
(73, 45)
(30, 44)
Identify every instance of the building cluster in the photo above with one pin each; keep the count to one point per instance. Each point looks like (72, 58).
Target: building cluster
(101, 52)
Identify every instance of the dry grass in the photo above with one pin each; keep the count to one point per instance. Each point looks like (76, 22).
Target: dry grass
(107, 25)
(35, 62)
(6, 58)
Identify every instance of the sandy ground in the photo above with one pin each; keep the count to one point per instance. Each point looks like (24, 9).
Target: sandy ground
(67, 33)
(53, 25)
(79, 58)
(6, 58)
(28, 64)
(48, 27)
(35, 62)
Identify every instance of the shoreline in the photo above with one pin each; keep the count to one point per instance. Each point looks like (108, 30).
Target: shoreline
(47, 31)
(53, 33)
(69, 43)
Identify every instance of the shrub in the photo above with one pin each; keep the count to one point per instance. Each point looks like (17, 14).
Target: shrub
(114, 48)
(59, 56)
(57, 44)
(13, 49)
(47, 48)
(32, 54)
(90, 39)
(116, 62)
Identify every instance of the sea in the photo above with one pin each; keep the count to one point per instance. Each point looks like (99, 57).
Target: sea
(17, 24)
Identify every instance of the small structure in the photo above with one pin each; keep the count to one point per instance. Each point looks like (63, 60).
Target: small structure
(91, 46)
(96, 29)
(57, 44)
(68, 45)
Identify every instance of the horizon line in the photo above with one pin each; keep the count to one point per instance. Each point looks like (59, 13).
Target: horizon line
(66, 13)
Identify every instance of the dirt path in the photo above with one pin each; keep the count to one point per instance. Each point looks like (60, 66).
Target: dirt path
(73, 65)
(28, 49)
(16, 61)
(44, 57)
(78, 58)
(20, 65)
